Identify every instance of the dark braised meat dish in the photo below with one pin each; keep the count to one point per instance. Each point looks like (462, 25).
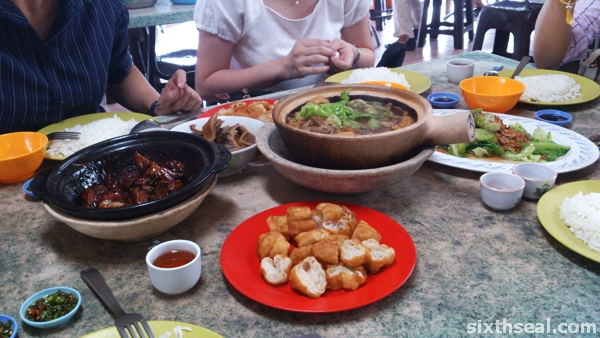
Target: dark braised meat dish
(146, 181)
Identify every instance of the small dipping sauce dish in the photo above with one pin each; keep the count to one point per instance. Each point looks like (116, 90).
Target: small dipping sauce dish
(539, 178)
(557, 117)
(443, 100)
(501, 190)
(174, 266)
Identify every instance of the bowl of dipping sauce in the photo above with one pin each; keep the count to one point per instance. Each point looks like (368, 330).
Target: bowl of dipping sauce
(8, 326)
(50, 308)
(539, 178)
(501, 190)
(557, 117)
(174, 266)
(443, 100)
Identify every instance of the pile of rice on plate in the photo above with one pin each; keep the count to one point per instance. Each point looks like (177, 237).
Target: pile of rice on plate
(549, 88)
(178, 332)
(91, 133)
(376, 74)
(581, 213)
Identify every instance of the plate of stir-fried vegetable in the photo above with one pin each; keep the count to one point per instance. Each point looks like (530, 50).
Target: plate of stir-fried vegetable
(503, 140)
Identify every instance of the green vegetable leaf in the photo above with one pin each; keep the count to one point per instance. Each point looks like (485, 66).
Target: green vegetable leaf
(550, 149)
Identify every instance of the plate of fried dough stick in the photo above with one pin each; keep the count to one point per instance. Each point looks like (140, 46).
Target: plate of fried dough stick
(318, 257)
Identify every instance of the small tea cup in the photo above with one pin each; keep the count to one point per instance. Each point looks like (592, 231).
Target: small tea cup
(459, 69)
(501, 190)
(174, 266)
(539, 178)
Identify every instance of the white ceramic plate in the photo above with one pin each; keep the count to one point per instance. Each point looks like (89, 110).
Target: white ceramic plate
(582, 154)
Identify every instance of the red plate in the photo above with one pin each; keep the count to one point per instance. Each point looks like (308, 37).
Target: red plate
(212, 111)
(241, 265)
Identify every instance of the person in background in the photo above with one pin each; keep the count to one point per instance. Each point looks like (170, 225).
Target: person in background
(562, 34)
(59, 57)
(407, 17)
(276, 45)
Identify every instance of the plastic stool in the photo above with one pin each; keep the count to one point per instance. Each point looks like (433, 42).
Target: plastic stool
(463, 22)
(506, 17)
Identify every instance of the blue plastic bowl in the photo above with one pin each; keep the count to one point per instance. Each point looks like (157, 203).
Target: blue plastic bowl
(184, 2)
(52, 323)
(558, 117)
(7, 318)
(443, 100)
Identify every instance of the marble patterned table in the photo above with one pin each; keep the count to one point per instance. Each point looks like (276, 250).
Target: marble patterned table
(474, 266)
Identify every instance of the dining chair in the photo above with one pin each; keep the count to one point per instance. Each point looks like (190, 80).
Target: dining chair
(462, 22)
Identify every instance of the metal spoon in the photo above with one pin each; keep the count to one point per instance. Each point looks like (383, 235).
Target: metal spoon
(151, 124)
(521, 65)
(494, 71)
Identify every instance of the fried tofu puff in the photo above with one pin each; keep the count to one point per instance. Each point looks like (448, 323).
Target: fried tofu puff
(310, 237)
(299, 254)
(272, 243)
(309, 278)
(364, 231)
(343, 277)
(279, 224)
(276, 270)
(381, 255)
(337, 239)
(353, 253)
(326, 252)
(327, 212)
(299, 219)
(335, 218)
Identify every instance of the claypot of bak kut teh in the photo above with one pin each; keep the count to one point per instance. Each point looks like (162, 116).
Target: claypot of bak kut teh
(62, 187)
(373, 150)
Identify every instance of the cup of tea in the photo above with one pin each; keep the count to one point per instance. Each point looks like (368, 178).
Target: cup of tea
(174, 266)
(459, 69)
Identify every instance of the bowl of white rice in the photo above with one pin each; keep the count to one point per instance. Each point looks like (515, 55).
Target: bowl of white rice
(93, 128)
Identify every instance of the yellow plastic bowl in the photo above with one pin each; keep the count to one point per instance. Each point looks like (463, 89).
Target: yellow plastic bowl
(386, 83)
(491, 93)
(21, 154)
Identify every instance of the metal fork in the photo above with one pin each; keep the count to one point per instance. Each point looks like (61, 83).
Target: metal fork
(64, 135)
(128, 324)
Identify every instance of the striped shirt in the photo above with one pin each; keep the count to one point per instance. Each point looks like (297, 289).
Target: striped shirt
(586, 29)
(43, 82)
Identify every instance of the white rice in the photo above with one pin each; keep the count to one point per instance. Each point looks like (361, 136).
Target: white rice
(549, 88)
(581, 213)
(376, 74)
(91, 133)
(177, 331)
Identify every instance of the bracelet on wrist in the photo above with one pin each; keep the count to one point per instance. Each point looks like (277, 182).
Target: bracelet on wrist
(357, 57)
(153, 107)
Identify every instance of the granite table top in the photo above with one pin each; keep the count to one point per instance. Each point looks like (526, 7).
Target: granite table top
(163, 12)
(477, 270)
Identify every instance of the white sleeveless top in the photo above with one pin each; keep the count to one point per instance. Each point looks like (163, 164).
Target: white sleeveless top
(262, 35)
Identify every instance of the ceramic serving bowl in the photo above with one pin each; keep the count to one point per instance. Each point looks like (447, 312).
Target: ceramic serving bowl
(272, 147)
(13, 324)
(501, 190)
(239, 158)
(539, 178)
(491, 93)
(55, 322)
(21, 154)
(331, 151)
(62, 187)
(139, 228)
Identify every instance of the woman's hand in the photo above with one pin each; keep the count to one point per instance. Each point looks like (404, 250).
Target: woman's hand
(309, 56)
(347, 55)
(177, 96)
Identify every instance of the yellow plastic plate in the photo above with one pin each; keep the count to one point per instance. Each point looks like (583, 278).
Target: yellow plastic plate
(418, 82)
(159, 327)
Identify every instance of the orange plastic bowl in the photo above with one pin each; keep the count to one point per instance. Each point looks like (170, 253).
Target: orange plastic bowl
(21, 154)
(386, 83)
(491, 93)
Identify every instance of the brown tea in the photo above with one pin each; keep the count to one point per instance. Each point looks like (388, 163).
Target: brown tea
(173, 259)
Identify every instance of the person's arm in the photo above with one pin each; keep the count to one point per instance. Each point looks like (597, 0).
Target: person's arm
(358, 35)
(213, 75)
(552, 35)
(136, 94)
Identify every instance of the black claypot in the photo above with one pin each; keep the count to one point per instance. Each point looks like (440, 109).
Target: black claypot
(62, 186)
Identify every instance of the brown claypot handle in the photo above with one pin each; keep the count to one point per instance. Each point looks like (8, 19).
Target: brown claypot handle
(449, 129)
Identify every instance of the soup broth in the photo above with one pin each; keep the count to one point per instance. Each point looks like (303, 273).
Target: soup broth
(349, 116)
